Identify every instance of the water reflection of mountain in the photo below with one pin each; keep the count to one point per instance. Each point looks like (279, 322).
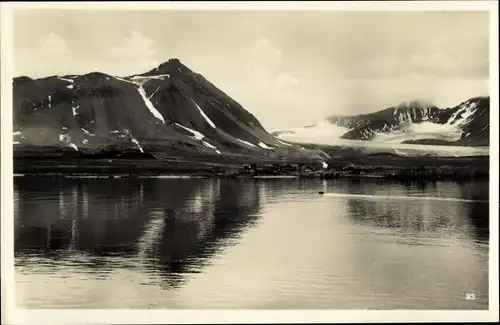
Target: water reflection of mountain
(169, 226)
(441, 218)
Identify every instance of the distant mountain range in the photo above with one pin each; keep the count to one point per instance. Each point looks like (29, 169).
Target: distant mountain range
(169, 110)
(466, 124)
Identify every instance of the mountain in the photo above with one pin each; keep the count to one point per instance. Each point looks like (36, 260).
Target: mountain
(169, 110)
(415, 122)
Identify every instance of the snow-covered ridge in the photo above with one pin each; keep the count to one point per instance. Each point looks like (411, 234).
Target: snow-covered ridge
(412, 121)
(463, 114)
(157, 77)
(410, 114)
(424, 130)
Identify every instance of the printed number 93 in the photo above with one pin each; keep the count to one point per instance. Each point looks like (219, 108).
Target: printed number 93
(469, 296)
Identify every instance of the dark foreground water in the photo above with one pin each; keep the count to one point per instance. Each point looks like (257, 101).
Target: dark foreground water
(256, 244)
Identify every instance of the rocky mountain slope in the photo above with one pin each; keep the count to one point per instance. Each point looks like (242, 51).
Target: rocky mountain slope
(466, 124)
(169, 110)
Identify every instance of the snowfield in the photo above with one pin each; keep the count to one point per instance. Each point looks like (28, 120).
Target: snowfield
(320, 130)
(329, 134)
(424, 130)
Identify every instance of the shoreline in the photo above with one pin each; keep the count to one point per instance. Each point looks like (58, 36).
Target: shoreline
(412, 175)
(374, 167)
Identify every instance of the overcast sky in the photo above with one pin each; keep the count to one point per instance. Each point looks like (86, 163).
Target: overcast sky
(290, 69)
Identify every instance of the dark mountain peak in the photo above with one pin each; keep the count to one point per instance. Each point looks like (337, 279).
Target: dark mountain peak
(171, 66)
(95, 76)
(17, 81)
(172, 61)
(169, 111)
(22, 78)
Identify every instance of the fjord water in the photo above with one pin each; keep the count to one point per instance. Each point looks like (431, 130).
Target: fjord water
(253, 244)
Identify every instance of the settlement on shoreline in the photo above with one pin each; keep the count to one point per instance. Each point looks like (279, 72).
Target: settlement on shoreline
(409, 169)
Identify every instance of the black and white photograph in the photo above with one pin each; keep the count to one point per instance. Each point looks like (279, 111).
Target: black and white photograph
(183, 157)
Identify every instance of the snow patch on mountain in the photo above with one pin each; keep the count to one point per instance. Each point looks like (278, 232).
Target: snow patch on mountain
(66, 79)
(264, 146)
(197, 135)
(87, 132)
(209, 121)
(67, 140)
(208, 145)
(150, 105)
(247, 143)
(154, 92)
(134, 140)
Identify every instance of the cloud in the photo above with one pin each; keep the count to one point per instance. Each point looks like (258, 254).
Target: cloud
(268, 68)
(438, 63)
(266, 52)
(132, 54)
(54, 47)
(286, 80)
(134, 47)
(50, 52)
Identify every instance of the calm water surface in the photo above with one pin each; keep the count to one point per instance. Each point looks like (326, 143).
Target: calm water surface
(256, 244)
